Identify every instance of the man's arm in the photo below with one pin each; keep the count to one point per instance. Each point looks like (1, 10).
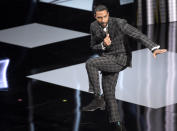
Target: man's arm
(136, 34)
(93, 43)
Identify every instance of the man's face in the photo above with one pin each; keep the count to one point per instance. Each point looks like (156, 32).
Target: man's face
(102, 17)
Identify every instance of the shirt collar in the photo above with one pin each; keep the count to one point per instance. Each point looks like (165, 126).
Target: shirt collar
(105, 28)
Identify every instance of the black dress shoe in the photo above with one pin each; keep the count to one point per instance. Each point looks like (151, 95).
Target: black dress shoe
(97, 103)
(117, 126)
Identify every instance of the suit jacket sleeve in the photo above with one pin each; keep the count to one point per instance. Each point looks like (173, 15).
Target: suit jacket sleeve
(93, 42)
(136, 34)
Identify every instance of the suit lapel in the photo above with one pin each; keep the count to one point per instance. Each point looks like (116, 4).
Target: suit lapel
(99, 32)
(110, 27)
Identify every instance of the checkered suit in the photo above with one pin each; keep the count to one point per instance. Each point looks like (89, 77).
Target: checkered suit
(112, 60)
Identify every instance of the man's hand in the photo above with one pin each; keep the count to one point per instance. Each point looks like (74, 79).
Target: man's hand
(158, 51)
(107, 40)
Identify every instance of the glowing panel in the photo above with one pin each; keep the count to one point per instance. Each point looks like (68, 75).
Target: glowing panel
(79, 4)
(124, 2)
(35, 35)
(3, 72)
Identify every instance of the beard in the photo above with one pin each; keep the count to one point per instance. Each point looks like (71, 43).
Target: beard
(104, 24)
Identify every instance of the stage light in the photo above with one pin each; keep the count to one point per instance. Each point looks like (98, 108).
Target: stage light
(150, 11)
(172, 10)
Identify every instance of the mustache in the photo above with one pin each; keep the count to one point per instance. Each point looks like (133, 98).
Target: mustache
(103, 23)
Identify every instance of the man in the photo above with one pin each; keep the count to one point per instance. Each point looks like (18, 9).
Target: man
(108, 40)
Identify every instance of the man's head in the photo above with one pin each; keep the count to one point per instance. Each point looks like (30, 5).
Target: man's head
(101, 15)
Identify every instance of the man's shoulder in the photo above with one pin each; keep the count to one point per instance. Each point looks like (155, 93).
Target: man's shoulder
(94, 23)
(112, 19)
(119, 20)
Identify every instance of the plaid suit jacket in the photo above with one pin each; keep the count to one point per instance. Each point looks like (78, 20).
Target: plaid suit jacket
(118, 29)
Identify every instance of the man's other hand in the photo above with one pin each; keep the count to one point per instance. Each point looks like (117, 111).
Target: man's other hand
(159, 51)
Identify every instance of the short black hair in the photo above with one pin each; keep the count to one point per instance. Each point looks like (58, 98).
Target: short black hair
(100, 8)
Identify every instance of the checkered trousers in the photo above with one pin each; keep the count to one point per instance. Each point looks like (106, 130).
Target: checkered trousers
(110, 69)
